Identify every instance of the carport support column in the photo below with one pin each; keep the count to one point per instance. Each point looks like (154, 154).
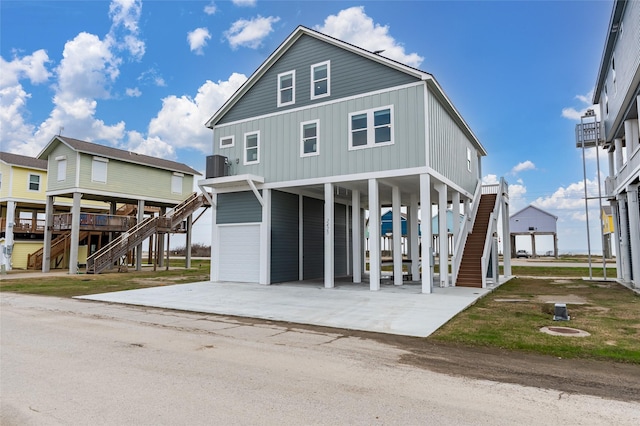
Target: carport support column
(215, 244)
(506, 240)
(414, 242)
(356, 244)
(265, 238)
(625, 261)
(374, 236)
(455, 207)
(139, 246)
(188, 242)
(75, 233)
(443, 234)
(616, 237)
(533, 245)
(48, 230)
(329, 236)
(425, 231)
(8, 231)
(397, 235)
(634, 231)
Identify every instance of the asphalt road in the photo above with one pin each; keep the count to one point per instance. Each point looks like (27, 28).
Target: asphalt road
(67, 361)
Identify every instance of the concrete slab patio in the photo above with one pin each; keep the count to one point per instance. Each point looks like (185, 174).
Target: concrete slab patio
(401, 310)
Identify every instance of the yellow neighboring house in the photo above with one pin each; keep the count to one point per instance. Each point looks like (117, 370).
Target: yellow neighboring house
(23, 182)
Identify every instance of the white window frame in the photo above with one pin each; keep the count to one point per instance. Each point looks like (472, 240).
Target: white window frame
(176, 183)
(0, 180)
(313, 81)
(95, 177)
(61, 168)
(317, 151)
(39, 176)
(293, 88)
(229, 145)
(468, 159)
(371, 137)
(613, 75)
(244, 155)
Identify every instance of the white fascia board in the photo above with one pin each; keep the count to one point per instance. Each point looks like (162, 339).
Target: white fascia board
(348, 178)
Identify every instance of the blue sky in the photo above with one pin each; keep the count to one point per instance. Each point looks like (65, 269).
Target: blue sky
(146, 75)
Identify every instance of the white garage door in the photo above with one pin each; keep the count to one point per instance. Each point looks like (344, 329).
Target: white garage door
(239, 253)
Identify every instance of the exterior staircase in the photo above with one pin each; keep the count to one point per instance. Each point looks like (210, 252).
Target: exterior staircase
(470, 273)
(106, 257)
(58, 246)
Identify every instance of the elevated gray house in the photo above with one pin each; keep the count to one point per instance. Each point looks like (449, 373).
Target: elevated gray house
(324, 130)
(532, 221)
(618, 94)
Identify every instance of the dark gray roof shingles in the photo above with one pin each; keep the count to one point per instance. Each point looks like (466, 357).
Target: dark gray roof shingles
(128, 156)
(23, 160)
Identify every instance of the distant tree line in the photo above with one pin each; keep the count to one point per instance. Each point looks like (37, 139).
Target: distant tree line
(197, 250)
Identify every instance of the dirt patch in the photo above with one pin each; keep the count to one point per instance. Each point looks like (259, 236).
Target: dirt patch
(580, 376)
(565, 331)
(564, 298)
(561, 281)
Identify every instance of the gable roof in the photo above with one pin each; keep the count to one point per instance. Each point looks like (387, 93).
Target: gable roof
(299, 32)
(23, 161)
(117, 154)
(531, 206)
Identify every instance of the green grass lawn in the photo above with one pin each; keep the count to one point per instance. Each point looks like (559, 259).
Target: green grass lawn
(80, 285)
(609, 312)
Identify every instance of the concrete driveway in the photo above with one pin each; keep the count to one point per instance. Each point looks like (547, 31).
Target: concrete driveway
(401, 310)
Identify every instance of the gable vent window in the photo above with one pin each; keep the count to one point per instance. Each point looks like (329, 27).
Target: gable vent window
(320, 80)
(62, 168)
(468, 159)
(99, 169)
(176, 183)
(286, 88)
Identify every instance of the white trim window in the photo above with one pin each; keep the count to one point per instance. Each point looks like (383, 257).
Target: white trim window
(176, 183)
(34, 182)
(468, 159)
(286, 88)
(309, 138)
(369, 128)
(62, 168)
(613, 75)
(99, 169)
(251, 148)
(320, 80)
(227, 141)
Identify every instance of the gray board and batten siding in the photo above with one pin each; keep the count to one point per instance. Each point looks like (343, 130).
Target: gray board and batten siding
(285, 217)
(238, 207)
(350, 75)
(448, 145)
(280, 158)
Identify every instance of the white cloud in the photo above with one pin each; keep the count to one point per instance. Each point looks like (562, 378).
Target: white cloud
(87, 68)
(354, 26)
(572, 113)
(133, 92)
(568, 198)
(210, 9)
(15, 131)
(124, 31)
(152, 76)
(244, 3)
(198, 39)
(180, 122)
(521, 167)
(31, 66)
(153, 146)
(250, 33)
(490, 180)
